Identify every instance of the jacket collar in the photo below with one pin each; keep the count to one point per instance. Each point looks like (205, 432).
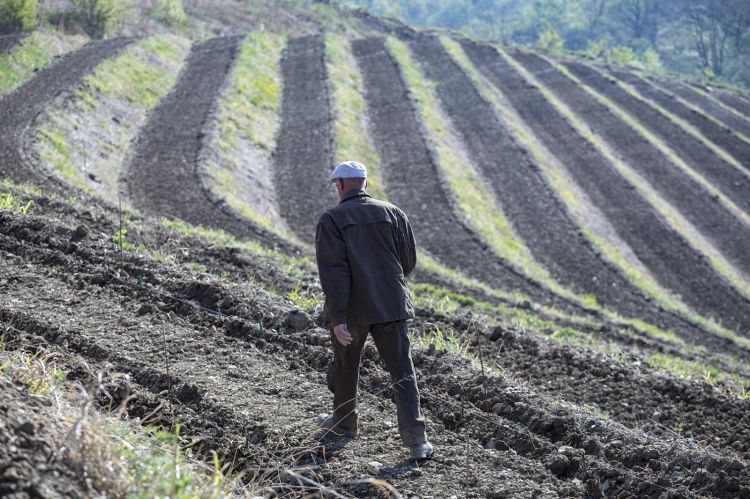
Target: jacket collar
(354, 193)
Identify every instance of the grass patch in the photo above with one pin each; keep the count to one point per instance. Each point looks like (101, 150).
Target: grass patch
(35, 52)
(353, 141)
(294, 266)
(115, 457)
(139, 76)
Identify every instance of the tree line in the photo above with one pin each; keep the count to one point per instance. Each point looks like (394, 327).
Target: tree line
(702, 38)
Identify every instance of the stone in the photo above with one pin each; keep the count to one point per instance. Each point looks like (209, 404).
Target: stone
(298, 320)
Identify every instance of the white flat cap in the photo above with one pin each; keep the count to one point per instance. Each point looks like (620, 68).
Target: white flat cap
(349, 169)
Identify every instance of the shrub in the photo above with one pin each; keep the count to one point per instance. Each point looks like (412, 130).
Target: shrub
(621, 55)
(170, 12)
(551, 41)
(17, 15)
(99, 17)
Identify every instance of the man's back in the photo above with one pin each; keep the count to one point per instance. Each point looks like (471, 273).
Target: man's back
(365, 249)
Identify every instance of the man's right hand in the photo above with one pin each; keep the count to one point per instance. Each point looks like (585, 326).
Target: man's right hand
(342, 334)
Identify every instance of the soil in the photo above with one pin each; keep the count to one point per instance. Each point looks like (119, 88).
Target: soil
(29, 440)
(740, 103)
(413, 180)
(541, 220)
(719, 135)
(8, 42)
(664, 252)
(495, 436)
(707, 105)
(728, 234)
(164, 176)
(304, 156)
(732, 182)
(21, 108)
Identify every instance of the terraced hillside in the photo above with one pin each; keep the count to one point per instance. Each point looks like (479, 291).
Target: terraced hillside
(583, 287)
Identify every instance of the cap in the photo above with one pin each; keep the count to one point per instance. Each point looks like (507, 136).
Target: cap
(349, 169)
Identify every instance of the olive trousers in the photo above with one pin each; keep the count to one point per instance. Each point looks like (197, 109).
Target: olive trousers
(393, 345)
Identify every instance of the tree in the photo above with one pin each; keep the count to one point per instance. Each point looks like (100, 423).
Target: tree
(719, 28)
(99, 17)
(17, 15)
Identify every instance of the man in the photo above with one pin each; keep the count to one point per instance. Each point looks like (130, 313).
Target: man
(365, 249)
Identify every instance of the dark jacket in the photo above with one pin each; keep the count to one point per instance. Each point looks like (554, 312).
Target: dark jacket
(365, 249)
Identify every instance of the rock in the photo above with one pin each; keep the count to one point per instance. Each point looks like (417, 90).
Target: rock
(374, 466)
(80, 233)
(559, 465)
(416, 472)
(497, 333)
(298, 320)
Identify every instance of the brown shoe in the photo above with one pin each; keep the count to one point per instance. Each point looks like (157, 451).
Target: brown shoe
(328, 423)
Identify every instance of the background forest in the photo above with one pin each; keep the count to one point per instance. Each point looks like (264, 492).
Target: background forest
(701, 38)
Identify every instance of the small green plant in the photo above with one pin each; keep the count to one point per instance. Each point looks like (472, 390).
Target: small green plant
(305, 299)
(448, 341)
(621, 55)
(98, 17)
(170, 12)
(17, 15)
(119, 239)
(197, 267)
(550, 41)
(10, 202)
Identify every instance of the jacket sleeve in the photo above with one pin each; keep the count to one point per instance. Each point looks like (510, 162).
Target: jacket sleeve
(333, 268)
(408, 247)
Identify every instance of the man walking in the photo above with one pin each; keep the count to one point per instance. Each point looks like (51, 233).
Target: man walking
(365, 249)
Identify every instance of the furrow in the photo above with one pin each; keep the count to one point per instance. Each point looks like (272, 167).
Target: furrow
(708, 105)
(541, 220)
(304, 153)
(412, 177)
(731, 181)
(665, 253)
(729, 234)
(737, 102)
(164, 176)
(21, 108)
(719, 135)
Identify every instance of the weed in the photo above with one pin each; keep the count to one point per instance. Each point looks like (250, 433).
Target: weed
(119, 239)
(305, 299)
(8, 201)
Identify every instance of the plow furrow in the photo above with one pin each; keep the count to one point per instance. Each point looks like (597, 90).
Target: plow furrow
(664, 252)
(412, 178)
(708, 105)
(541, 219)
(20, 109)
(729, 234)
(304, 147)
(164, 176)
(731, 181)
(719, 135)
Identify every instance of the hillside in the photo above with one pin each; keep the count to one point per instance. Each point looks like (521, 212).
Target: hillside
(583, 286)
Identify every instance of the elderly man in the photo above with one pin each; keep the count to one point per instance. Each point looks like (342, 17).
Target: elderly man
(365, 249)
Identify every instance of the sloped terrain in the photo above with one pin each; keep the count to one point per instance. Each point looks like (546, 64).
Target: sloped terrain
(734, 183)
(588, 388)
(664, 251)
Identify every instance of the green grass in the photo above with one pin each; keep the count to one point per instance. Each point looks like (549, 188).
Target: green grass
(35, 52)
(140, 76)
(115, 457)
(294, 266)
(249, 112)
(353, 140)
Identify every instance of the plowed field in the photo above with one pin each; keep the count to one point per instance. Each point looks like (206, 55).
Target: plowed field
(586, 384)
